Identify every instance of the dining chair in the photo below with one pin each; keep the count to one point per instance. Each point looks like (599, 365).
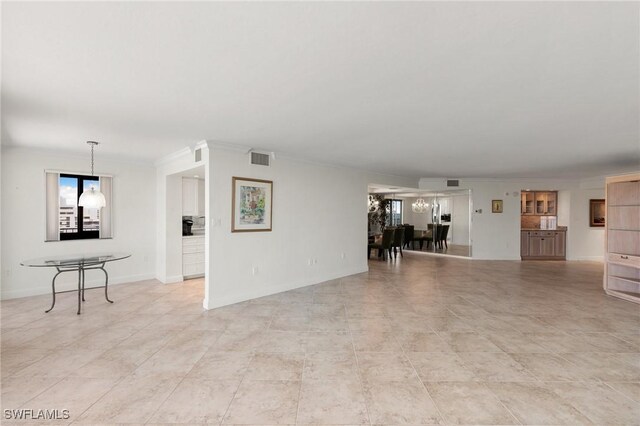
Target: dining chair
(398, 241)
(384, 245)
(443, 237)
(408, 235)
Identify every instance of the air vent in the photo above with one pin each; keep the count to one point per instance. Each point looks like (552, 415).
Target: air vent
(259, 159)
(198, 155)
(453, 182)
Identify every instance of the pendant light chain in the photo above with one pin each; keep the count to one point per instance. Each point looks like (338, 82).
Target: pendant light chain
(92, 145)
(92, 198)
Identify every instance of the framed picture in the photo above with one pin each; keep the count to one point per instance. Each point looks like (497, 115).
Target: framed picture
(496, 206)
(251, 205)
(596, 213)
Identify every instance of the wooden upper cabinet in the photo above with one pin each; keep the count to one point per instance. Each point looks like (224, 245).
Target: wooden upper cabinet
(540, 203)
(527, 203)
(552, 203)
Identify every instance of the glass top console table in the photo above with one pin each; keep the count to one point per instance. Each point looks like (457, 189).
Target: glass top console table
(76, 263)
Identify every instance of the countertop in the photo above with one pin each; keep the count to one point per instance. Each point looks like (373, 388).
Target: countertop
(193, 236)
(559, 228)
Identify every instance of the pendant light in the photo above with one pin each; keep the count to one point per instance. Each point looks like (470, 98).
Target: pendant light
(92, 198)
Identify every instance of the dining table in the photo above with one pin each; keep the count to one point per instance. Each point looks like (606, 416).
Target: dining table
(76, 263)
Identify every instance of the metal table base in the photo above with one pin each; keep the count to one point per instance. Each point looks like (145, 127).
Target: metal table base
(81, 288)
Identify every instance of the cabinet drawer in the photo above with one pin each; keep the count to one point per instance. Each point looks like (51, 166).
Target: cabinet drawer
(624, 259)
(188, 259)
(192, 241)
(542, 233)
(192, 249)
(193, 269)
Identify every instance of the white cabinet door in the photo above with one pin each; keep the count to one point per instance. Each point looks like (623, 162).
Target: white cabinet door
(201, 197)
(189, 197)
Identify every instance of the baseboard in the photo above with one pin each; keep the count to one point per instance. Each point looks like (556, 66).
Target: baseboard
(172, 279)
(588, 258)
(218, 302)
(497, 258)
(46, 289)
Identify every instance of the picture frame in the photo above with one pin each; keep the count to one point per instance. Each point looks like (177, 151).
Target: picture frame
(251, 205)
(597, 213)
(496, 206)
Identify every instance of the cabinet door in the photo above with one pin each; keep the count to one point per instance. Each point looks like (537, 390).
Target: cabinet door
(524, 243)
(560, 244)
(552, 202)
(541, 202)
(189, 197)
(624, 242)
(535, 246)
(547, 246)
(623, 194)
(528, 203)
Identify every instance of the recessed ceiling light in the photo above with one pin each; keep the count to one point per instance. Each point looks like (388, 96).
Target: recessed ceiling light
(196, 176)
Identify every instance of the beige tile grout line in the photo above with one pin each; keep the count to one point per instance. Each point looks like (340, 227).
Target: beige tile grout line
(355, 354)
(177, 385)
(243, 376)
(114, 385)
(415, 371)
(489, 389)
(464, 364)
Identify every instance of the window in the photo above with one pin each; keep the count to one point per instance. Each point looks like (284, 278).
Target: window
(77, 222)
(394, 213)
(65, 220)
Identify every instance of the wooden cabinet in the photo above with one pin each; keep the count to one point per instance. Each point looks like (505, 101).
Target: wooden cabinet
(622, 235)
(543, 245)
(560, 244)
(524, 243)
(527, 202)
(539, 203)
(192, 197)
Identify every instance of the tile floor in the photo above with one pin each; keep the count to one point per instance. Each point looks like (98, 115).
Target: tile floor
(422, 340)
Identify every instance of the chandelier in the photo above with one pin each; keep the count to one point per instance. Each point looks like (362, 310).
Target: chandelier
(419, 206)
(373, 203)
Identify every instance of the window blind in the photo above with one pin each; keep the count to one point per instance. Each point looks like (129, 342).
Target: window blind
(52, 206)
(106, 187)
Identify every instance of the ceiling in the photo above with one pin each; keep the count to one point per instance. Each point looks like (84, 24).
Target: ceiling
(414, 192)
(420, 89)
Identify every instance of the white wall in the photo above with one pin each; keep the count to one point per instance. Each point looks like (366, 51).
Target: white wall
(497, 235)
(586, 243)
(23, 221)
(319, 212)
(460, 219)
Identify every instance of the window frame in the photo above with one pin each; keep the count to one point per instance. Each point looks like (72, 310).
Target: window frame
(81, 234)
(389, 221)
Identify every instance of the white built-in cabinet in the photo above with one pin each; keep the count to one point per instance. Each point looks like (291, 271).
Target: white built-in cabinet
(622, 260)
(192, 197)
(193, 256)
